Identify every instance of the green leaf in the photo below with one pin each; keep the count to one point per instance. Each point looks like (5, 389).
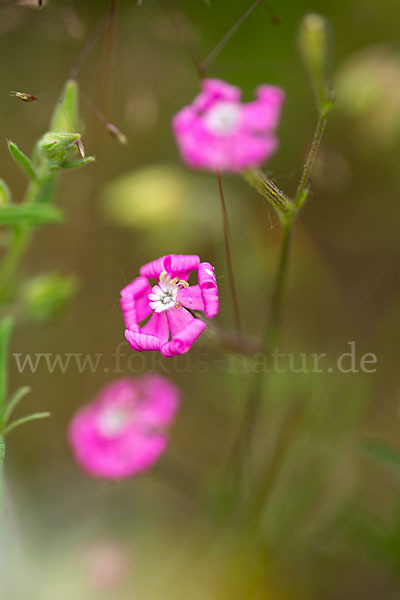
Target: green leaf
(23, 420)
(23, 161)
(66, 114)
(13, 403)
(80, 162)
(34, 214)
(5, 195)
(6, 326)
(2, 456)
(382, 452)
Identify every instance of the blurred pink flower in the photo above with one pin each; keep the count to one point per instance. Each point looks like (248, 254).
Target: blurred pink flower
(105, 565)
(171, 329)
(219, 132)
(122, 431)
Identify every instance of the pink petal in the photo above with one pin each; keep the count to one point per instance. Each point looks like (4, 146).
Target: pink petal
(183, 341)
(191, 298)
(152, 400)
(141, 341)
(249, 146)
(114, 459)
(134, 302)
(157, 326)
(178, 319)
(209, 289)
(174, 264)
(122, 391)
(214, 90)
(161, 401)
(263, 114)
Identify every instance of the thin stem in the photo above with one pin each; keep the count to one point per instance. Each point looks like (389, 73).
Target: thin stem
(303, 184)
(207, 62)
(271, 337)
(89, 45)
(228, 251)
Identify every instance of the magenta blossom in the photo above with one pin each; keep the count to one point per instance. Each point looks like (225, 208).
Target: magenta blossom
(172, 328)
(122, 431)
(219, 132)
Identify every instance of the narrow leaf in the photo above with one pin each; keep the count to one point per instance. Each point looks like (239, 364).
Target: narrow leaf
(5, 195)
(23, 161)
(34, 214)
(80, 162)
(66, 114)
(6, 326)
(23, 420)
(13, 403)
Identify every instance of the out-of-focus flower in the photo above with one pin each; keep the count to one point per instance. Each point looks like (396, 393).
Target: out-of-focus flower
(122, 431)
(219, 132)
(106, 565)
(172, 329)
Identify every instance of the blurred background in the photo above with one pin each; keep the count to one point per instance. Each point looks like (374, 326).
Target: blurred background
(331, 527)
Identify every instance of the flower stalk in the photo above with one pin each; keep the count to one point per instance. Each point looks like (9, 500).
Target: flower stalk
(314, 47)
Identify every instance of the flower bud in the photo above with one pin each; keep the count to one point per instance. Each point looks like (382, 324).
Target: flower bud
(314, 46)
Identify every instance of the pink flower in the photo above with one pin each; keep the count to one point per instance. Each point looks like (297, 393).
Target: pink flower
(122, 431)
(218, 132)
(172, 329)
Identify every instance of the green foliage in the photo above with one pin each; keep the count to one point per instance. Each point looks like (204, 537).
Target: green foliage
(5, 195)
(31, 214)
(44, 296)
(6, 326)
(2, 456)
(18, 422)
(66, 114)
(79, 162)
(23, 161)
(15, 399)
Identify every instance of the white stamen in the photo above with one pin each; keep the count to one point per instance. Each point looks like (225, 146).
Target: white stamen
(223, 118)
(164, 295)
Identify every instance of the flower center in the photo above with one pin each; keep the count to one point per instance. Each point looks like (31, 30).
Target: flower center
(164, 295)
(113, 421)
(223, 118)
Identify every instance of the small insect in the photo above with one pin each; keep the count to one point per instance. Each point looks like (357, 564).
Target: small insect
(40, 3)
(24, 97)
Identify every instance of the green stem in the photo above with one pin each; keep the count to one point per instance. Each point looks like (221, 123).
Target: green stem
(302, 190)
(272, 331)
(6, 327)
(229, 259)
